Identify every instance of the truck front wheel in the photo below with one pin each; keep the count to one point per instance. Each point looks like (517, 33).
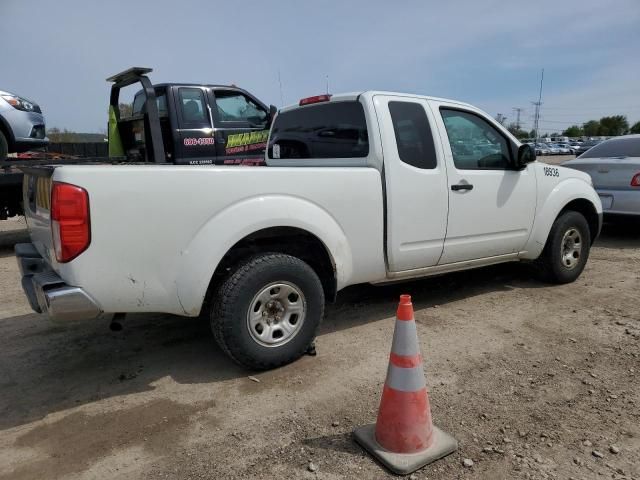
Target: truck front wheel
(267, 311)
(567, 249)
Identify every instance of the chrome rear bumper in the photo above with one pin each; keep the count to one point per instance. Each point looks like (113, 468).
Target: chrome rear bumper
(48, 293)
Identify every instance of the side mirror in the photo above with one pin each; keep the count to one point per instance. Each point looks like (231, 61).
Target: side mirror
(273, 110)
(526, 154)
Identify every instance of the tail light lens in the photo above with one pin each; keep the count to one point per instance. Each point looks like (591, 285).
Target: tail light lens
(70, 220)
(635, 181)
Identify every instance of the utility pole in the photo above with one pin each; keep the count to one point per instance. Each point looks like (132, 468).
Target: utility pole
(327, 84)
(535, 119)
(518, 110)
(501, 118)
(537, 105)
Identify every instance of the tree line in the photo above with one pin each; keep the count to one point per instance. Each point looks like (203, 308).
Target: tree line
(67, 136)
(606, 127)
(57, 135)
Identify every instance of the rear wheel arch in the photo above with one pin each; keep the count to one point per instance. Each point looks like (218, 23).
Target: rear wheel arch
(292, 241)
(267, 311)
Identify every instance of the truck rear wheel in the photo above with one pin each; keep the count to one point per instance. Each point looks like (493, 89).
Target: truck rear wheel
(267, 312)
(567, 249)
(4, 147)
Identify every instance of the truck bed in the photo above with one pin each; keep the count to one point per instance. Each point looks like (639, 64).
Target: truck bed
(159, 231)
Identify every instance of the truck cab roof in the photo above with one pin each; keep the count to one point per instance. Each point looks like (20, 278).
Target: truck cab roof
(351, 96)
(204, 85)
(134, 74)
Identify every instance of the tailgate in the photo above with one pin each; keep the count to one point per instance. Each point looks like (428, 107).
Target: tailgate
(36, 195)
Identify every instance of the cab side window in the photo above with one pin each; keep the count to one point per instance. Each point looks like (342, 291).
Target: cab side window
(192, 105)
(475, 143)
(413, 134)
(237, 107)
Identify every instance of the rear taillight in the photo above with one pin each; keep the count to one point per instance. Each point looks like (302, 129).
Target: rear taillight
(635, 181)
(70, 220)
(316, 99)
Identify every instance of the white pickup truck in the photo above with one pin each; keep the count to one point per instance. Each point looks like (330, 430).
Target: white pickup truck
(369, 187)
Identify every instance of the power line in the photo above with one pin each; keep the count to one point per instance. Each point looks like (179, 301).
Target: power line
(561, 121)
(574, 114)
(592, 108)
(566, 122)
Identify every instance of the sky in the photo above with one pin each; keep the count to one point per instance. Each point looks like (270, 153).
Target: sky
(489, 53)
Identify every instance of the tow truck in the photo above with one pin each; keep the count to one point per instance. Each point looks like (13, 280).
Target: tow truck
(170, 123)
(187, 124)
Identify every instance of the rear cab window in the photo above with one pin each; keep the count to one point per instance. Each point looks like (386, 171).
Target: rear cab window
(140, 100)
(323, 131)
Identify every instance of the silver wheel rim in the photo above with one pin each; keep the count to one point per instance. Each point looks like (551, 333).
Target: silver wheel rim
(276, 314)
(571, 248)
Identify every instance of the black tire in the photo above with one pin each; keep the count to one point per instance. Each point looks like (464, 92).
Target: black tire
(552, 266)
(234, 298)
(4, 147)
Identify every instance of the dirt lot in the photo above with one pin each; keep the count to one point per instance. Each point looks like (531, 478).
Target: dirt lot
(531, 379)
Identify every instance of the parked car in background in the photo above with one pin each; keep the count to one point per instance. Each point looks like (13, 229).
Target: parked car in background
(573, 147)
(564, 148)
(614, 166)
(585, 146)
(21, 125)
(553, 149)
(542, 149)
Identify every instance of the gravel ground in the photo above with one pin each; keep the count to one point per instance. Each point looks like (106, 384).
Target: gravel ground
(535, 381)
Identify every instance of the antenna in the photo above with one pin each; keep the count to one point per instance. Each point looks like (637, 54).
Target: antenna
(280, 83)
(327, 84)
(537, 105)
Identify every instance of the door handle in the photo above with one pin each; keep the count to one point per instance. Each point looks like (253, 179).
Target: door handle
(461, 186)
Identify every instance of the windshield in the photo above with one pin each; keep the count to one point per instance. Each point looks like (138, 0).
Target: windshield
(616, 147)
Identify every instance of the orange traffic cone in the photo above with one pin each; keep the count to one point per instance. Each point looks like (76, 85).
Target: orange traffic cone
(404, 438)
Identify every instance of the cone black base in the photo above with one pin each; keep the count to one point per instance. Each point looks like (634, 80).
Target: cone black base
(405, 463)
